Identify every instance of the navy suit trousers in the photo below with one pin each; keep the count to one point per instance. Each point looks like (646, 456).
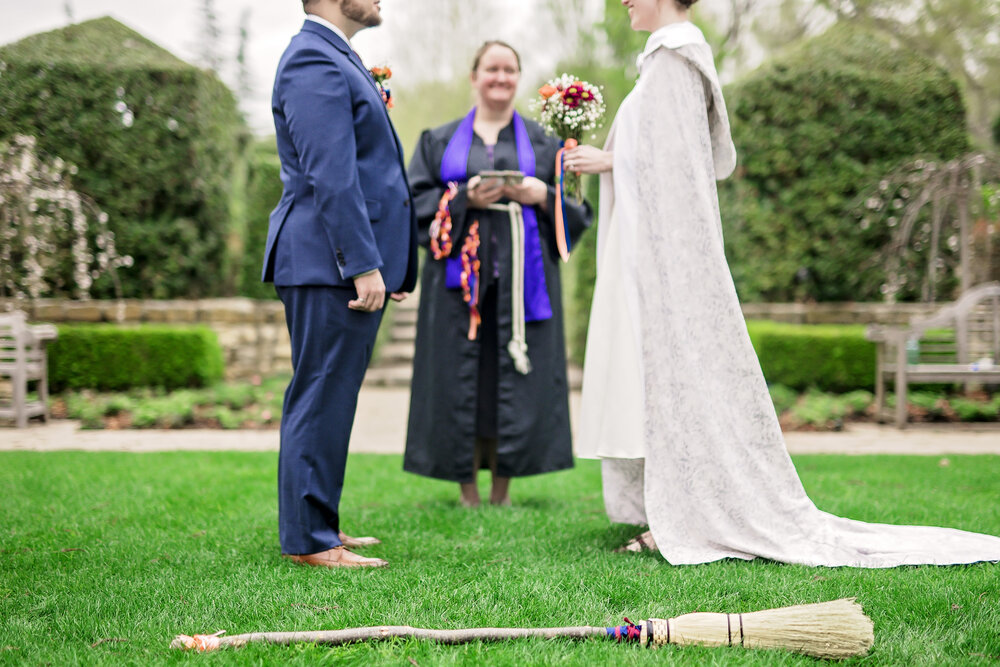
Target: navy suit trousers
(331, 348)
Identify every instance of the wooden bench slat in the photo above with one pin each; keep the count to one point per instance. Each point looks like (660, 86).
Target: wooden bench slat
(968, 329)
(22, 359)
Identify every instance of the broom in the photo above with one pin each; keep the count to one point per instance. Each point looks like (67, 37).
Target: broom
(837, 629)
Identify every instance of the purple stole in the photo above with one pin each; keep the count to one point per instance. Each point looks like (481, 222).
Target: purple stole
(454, 167)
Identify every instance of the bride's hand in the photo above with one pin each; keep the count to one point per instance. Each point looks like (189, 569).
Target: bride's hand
(588, 160)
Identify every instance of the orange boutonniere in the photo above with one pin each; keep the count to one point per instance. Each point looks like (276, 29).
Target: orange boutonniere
(381, 75)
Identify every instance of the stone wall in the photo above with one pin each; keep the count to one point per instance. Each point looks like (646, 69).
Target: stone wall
(252, 333)
(840, 313)
(255, 341)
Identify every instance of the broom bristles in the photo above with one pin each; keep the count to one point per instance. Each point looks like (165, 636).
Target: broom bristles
(837, 629)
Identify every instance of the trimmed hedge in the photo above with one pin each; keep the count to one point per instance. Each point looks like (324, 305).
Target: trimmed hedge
(158, 144)
(830, 357)
(816, 128)
(111, 358)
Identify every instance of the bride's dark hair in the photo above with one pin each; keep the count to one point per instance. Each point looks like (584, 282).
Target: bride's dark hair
(686, 4)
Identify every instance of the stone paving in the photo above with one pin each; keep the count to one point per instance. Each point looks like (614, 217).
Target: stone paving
(381, 428)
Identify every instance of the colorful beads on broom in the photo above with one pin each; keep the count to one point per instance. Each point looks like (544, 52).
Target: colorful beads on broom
(630, 633)
(441, 241)
(470, 278)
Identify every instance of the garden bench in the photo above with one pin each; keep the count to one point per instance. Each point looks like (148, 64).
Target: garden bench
(23, 360)
(958, 344)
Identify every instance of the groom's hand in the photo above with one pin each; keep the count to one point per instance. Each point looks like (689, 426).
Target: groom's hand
(371, 292)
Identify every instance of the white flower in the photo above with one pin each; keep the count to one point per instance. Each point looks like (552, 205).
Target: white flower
(128, 118)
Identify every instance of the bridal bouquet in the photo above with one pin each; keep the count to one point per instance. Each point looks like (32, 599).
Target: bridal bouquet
(567, 108)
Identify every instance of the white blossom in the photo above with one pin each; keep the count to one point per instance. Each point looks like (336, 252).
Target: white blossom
(41, 219)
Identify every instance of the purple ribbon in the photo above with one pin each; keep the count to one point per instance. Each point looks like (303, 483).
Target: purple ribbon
(455, 167)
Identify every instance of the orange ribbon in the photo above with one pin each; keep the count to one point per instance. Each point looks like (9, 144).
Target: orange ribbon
(562, 237)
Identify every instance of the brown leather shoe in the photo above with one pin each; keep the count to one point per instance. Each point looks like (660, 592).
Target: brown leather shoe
(355, 542)
(335, 557)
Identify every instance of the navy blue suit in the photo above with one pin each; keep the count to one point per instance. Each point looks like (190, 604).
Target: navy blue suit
(345, 210)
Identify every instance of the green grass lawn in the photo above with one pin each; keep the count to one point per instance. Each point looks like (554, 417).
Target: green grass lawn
(135, 548)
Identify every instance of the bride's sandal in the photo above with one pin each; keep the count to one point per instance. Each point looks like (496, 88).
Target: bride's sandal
(639, 543)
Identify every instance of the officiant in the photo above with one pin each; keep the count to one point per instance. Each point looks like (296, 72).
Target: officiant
(489, 376)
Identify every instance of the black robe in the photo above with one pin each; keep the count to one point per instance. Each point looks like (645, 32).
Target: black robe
(466, 389)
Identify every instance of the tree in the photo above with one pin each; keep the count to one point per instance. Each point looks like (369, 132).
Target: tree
(244, 75)
(209, 51)
(961, 35)
(53, 239)
(934, 209)
(469, 24)
(815, 128)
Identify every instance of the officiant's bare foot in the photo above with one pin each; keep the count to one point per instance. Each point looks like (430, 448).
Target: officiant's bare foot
(500, 493)
(357, 542)
(335, 557)
(638, 543)
(470, 495)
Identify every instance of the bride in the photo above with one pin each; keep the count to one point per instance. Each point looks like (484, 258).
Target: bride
(674, 401)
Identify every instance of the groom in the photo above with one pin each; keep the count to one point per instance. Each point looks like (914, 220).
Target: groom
(342, 236)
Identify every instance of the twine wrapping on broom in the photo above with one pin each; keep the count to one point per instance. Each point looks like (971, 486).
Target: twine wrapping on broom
(831, 630)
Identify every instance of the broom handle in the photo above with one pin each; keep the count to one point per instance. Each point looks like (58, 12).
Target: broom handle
(352, 635)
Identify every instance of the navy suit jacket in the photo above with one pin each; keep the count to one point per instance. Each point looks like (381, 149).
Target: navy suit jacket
(346, 206)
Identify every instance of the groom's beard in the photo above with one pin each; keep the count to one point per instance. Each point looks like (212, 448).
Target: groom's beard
(361, 11)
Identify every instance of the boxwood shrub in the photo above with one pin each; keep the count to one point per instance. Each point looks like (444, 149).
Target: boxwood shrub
(830, 357)
(157, 142)
(815, 128)
(107, 357)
